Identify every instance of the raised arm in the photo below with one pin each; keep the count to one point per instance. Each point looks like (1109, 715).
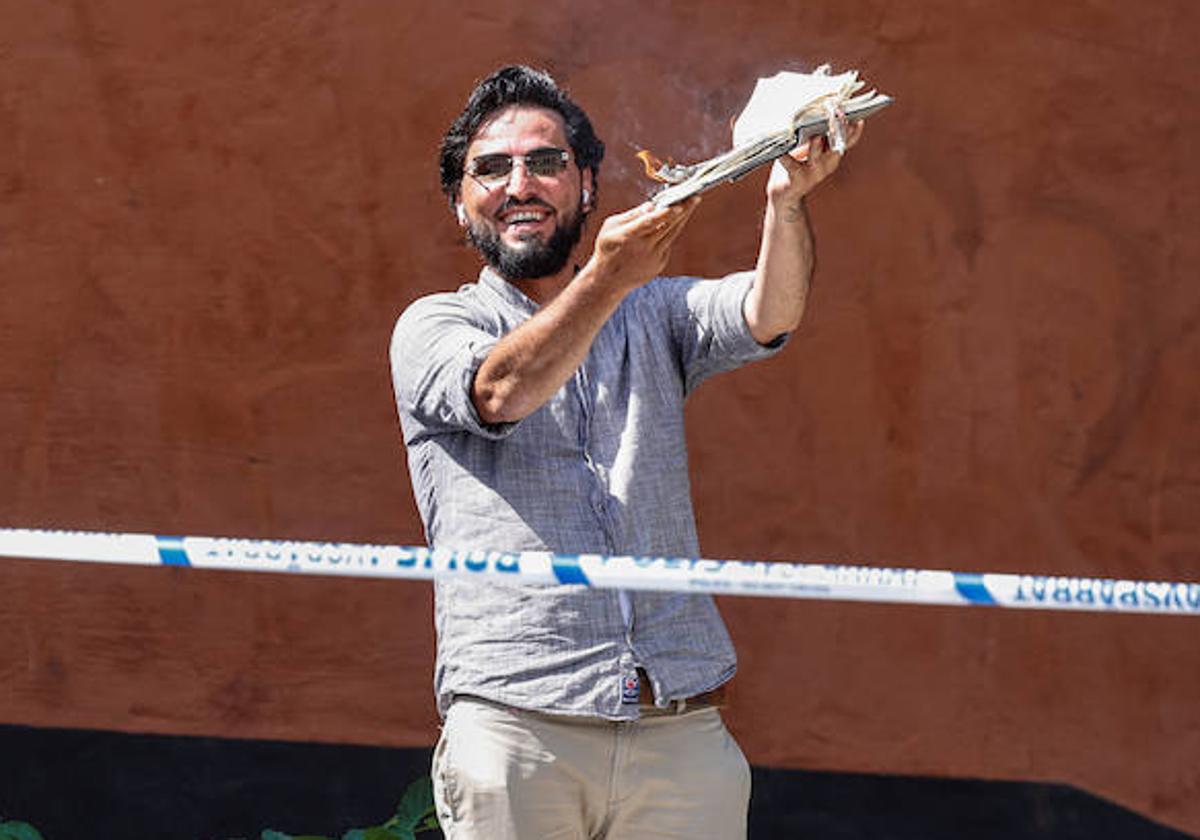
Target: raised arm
(531, 363)
(776, 302)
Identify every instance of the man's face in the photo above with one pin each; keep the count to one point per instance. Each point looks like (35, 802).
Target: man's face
(525, 225)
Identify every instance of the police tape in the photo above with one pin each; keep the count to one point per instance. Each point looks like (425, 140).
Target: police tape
(664, 574)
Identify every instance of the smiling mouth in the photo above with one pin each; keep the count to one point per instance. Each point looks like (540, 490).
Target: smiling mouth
(520, 218)
(525, 217)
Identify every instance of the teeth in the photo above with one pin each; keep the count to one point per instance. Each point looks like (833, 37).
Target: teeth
(523, 217)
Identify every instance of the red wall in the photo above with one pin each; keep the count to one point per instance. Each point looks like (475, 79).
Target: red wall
(211, 212)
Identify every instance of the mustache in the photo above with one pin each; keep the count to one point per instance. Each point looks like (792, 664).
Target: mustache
(512, 203)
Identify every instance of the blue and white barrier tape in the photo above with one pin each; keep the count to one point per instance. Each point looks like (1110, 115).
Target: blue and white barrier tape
(665, 574)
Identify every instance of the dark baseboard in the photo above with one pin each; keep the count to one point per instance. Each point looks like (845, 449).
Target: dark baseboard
(72, 784)
(852, 806)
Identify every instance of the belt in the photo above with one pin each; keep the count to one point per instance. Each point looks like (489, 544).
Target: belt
(705, 700)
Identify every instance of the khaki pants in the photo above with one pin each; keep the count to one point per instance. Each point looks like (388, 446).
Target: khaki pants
(505, 774)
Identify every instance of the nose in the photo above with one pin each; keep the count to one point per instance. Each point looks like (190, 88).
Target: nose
(518, 180)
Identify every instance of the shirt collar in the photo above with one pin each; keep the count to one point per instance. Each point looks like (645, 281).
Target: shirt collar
(508, 292)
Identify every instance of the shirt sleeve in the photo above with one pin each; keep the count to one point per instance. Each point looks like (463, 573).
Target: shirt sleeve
(437, 348)
(708, 324)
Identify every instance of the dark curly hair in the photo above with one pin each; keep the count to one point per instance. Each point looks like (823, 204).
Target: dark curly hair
(516, 85)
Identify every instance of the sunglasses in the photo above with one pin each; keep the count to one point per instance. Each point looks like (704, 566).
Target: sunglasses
(493, 170)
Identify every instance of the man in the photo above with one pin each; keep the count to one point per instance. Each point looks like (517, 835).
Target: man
(542, 408)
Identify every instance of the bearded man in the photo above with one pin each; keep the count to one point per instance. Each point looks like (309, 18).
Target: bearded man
(542, 409)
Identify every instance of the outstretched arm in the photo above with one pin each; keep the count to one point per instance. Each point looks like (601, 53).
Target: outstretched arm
(776, 302)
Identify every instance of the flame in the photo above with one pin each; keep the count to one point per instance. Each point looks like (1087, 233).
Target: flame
(653, 165)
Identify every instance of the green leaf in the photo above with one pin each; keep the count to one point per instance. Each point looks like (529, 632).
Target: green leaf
(415, 805)
(375, 832)
(14, 830)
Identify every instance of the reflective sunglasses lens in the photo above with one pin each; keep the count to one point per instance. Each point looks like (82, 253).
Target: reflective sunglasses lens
(546, 162)
(492, 167)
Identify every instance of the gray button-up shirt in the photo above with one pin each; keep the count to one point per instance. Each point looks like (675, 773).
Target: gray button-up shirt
(600, 468)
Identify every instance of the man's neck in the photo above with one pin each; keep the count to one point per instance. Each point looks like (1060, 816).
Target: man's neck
(542, 290)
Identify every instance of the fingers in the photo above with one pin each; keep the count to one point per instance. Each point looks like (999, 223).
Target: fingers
(794, 160)
(679, 213)
(818, 152)
(652, 222)
(645, 229)
(816, 158)
(671, 225)
(855, 133)
(818, 147)
(675, 227)
(634, 246)
(630, 215)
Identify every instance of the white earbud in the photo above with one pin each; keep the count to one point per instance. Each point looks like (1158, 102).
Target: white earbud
(462, 215)
(586, 196)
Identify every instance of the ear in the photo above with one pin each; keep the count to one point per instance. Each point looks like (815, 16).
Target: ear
(588, 190)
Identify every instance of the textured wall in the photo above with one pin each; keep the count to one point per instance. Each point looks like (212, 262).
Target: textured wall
(210, 213)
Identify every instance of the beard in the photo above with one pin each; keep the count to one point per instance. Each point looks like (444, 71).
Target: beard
(533, 258)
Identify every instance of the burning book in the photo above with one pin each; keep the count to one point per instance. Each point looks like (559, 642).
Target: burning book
(784, 111)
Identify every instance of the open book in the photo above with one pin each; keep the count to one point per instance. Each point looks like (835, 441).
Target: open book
(784, 111)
